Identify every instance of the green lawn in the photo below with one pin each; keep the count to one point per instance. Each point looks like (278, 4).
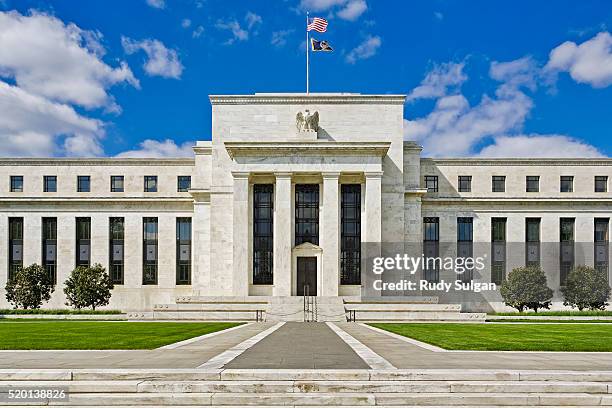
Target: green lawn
(519, 320)
(524, 337)
(557, 313)
(98, 335)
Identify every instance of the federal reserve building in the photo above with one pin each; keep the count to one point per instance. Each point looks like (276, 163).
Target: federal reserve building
(291, 197)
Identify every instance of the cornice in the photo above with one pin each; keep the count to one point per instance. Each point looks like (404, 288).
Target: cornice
(536, 161)
(34, 200)
(250, 149)
(288, 99)
(106, 161)
(531, 200)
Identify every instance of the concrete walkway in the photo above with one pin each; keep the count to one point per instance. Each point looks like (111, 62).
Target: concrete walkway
(300, 345)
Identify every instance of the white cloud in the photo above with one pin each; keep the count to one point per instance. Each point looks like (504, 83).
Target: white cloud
(59, 61)
(439, 80)
(238, 33)
(252, 19)
(345, 9)
(197, 33)
(520, 72)
(186, 23)
(167, 148)
(161, 61)
(32, 125)
(158, 4)
(539, 146)
(589, 62)
(279, 38)
(366, 49)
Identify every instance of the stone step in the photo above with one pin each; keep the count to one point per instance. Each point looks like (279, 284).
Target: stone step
(433, 316)
(403, 307)
(222, 299)
(226, 315)
(340, 399)
(392, 299)
(210, 307)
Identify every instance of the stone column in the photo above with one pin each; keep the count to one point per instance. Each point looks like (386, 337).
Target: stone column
(283, 218)
(201, 245)
(373, 210)
(240, 260)
(330, 236)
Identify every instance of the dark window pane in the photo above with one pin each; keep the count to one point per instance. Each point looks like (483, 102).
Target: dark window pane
(532, 242)
(117, 184)
(567, 184)
(150, 248)
(50, 184)
(15, 245)
(49, 247)
(150, 184)
(602, 245)
(498, 184)
(83, 184)
(498, 250)
(184, 183)
(533, 184)
(431, 248)
(116, 249)
(350, 234)
(83, 241)
(263, 242)
(465, 244)
(183, 251)
(431, 183)
(566, 238)
(307, 213)
(17, 184)
(465, 184)
(601, 184)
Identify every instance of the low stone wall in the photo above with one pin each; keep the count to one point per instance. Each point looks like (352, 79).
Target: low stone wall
(121, 316)
(569, 318)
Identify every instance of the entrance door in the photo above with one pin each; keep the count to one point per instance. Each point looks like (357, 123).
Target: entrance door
(307, 275)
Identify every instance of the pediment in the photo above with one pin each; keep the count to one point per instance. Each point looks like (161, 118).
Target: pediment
(307, 247)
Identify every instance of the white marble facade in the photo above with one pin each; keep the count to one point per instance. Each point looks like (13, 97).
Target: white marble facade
(255, 140)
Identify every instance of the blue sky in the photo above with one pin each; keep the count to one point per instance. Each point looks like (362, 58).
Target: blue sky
(492, 78)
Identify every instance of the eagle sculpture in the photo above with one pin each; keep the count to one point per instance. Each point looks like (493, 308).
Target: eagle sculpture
(306, 121)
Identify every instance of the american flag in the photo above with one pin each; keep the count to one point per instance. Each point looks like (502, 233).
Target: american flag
(317, 24)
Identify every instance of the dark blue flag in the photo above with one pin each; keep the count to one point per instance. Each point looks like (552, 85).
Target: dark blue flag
(320, 46)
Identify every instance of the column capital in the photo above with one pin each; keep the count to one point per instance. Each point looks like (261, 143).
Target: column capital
(240, 174)
(330, 174)
(373, 174)
(283, 175)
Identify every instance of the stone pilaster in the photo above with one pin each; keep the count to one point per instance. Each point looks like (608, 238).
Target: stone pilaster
(240, 278)
(283, 220)
(330, 235)
(373, 212)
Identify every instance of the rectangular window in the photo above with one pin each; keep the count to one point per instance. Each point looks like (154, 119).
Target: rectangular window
(116, 262)
(431, 184)
(567, 184)
(17, 184)
(183, 183)
(602, 244)
(566, 242)
(83, 241)
(15, 245)
(601, 184)
(149, 258)
(350, 234)
(150, 184)
(465, 184)
(431, 248)
(263, 230)
(532, 184)
(83, 184)
(532, 242)
(498, 184)
(116, 184)
(498, 250)
(50, 184)
(306, 213)
(49, 247)
(465, 244)
(183, 251)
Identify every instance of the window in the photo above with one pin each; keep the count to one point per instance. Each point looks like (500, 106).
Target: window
(350, 234)
(116, 231)
(567, 184)
(566, 242)
(465, 184)
(50, 184)
(17, 184)
(498, 184)
(49, 247)
(532, 184)
(83, 241)
(116, 184)
(15, 245)
(532, 242)
(602, 244)
(498, 250)
(150, 184)
(431, 248)
(263, 230)
(149, 258)
(183, 183)
(431, 184)
(465, 244)
(601, 184)
(306, 213)
(183, 251)
(83, 184)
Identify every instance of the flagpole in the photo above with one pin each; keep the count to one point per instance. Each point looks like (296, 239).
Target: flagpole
(307, 58)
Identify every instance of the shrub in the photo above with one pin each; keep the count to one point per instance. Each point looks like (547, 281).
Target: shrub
(586, 288)
(88, 287)
(29, 287)
(526, 288)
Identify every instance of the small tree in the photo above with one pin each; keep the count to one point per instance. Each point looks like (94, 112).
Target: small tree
(526, 288)
(586, 288)
(29, 287)
(88, 287)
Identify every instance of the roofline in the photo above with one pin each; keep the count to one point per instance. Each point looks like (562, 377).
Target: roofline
(519, 161)
(96, 161)
(302, 98)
